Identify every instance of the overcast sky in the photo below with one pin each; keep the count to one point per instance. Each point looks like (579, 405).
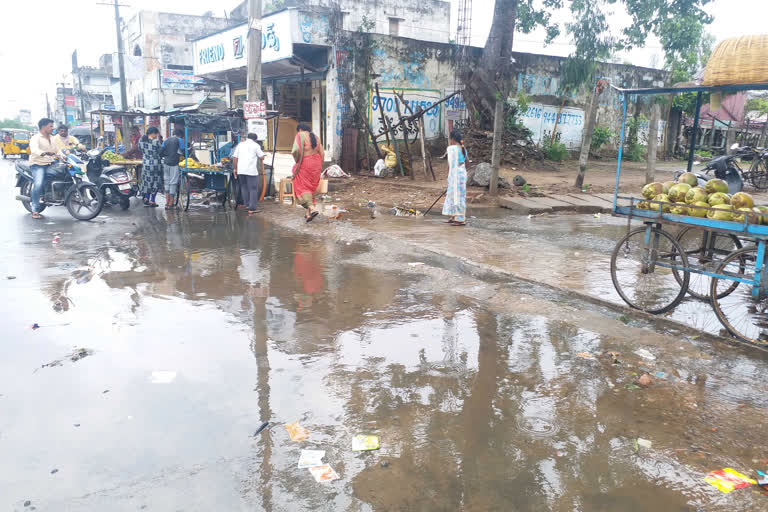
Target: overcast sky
(38, 40)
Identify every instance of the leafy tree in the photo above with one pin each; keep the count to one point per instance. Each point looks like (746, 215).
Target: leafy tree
(13, 123)
(679, 25)
(758, 103)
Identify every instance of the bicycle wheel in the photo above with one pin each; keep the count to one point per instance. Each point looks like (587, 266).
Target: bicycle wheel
(758, 173)
(745, 316)
(184, 192)
(230, 194)
(705, 249)
(639, 280)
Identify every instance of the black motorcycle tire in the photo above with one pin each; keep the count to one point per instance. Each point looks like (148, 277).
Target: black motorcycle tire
(26, 190)
(71, 200)
(125, 203)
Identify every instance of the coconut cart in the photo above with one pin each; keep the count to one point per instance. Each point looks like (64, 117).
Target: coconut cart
(215, 177)
(713, 253)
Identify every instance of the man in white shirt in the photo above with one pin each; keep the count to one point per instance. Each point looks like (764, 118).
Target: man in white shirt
(64, 141)
(41, 152)
(246, 170)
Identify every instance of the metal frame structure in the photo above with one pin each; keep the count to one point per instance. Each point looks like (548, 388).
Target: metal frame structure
(659, 249)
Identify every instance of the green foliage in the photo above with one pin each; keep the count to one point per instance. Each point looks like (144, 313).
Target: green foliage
(13, 123)
(554, 151)
(684, 69)
(758, 103)
(513, 121)
(600, 137)
(636, 153)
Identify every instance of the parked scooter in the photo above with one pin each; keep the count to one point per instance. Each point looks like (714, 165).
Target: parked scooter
(117, 183)
(721, 167)
(69, 187)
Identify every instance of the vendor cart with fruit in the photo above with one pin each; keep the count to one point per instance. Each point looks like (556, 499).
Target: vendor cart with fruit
(695, 240)
(215, 174)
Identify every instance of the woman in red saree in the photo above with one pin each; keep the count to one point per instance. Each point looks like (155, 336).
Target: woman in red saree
(309, 156)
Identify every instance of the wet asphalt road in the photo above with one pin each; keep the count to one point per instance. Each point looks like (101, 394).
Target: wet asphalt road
(165, 340)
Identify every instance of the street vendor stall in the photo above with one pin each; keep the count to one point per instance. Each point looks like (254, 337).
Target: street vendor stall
(213, 173)
(712, 249)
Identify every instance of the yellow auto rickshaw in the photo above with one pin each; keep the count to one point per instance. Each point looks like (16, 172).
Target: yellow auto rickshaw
(14, 142)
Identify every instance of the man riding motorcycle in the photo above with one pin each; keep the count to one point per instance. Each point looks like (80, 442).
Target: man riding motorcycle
(41, 152)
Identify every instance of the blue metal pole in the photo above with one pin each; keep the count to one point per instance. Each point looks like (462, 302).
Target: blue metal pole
(621, 147)
(757, 288)
(695, 131)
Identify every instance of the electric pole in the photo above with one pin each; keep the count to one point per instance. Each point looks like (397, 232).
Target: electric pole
(120, 55)
(254, 50)
(47, 106)
(64, 101)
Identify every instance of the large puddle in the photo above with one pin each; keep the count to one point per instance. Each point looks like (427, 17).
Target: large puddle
(199, 327)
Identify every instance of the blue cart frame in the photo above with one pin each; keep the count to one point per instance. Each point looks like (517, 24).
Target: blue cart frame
(651, 271)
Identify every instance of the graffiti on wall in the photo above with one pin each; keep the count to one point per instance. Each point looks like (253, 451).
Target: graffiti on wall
(414, 98)
(532, 84)
(313, 29)
(540, 119)
(409, 69)
(643, 127)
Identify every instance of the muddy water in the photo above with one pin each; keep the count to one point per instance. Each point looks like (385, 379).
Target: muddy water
(486, 395)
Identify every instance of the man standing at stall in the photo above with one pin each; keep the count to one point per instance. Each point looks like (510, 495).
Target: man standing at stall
(171, 172)
(246, 170)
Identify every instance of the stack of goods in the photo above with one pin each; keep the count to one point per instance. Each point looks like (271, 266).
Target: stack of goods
(686, 197)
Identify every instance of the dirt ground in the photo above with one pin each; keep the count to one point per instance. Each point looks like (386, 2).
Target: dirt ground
(545, 178)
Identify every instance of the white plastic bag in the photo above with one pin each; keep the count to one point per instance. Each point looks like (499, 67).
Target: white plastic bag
(380, 166)
(335, 171)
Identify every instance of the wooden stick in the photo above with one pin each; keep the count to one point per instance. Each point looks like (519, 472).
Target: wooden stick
(420, 113)
(423, 148)
(424, 138)
(405, 138)
(381, 112)
(364, 118)
(433, 204)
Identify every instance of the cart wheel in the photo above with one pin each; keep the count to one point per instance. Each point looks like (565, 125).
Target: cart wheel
(707, 253)
(184, 192)
(744, 316)
(758, 174)
(640, 271)
(230, 195)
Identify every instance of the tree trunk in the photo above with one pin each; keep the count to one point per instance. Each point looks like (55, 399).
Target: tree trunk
(498, 133)
(586, 141)
(653, 143)
(497, 63)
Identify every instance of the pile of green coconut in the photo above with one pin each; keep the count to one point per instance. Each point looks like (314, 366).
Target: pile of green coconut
(713, 199)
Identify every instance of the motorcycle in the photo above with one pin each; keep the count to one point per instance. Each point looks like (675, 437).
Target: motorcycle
(117, 184)
(68, 187)
(721, 167)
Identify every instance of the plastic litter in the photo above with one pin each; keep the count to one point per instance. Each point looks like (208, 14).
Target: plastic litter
(324, 473)
(261, 428)
(728, 480)
(296, 432)
(34, 327)
(585, 355)
(645, 354)
(311, 458)
(415, 264)
(334, 171)
(363, 443)
(643, 443)
(379, 167)
(162, 377)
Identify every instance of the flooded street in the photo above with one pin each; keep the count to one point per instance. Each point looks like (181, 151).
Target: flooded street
(166, 339)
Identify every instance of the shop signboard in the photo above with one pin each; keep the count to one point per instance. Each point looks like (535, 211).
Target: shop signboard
(228, 49)
(415, 98)
(69, 101)
(259, 127)
(255, 109)
(179, 80)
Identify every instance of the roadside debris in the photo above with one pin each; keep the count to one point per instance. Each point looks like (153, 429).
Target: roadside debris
(645, 354)
(34, 327)
(54, 471)
(402, 211)
(56, 239)
(75, 356)
(261, 428)
(10, 277)
(415, 264)
(334, 171)
(311, 458)
(643, 443)
(296, 432)
(162, 377)
(361, 443)
(585, 355)
(728, 480)
(645, 380)
(324, 473)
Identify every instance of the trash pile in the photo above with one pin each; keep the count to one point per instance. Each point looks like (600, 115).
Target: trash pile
(312, 460)
(517, 147)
